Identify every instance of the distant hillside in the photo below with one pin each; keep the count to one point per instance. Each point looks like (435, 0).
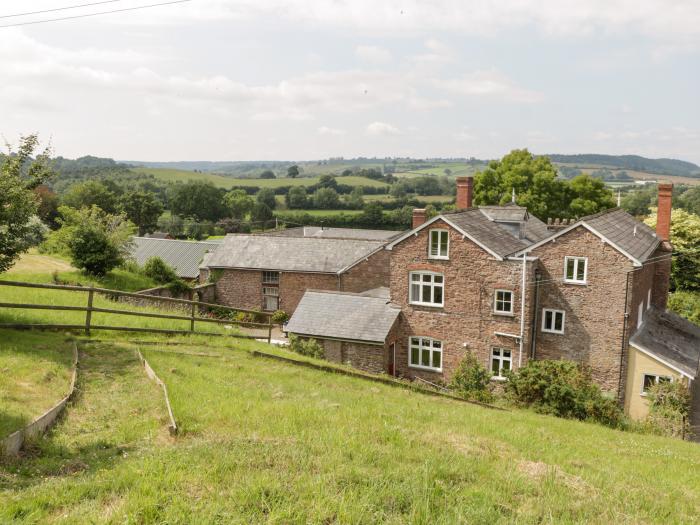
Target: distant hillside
(674, 167)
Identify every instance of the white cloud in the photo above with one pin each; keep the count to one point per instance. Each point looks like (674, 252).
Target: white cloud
(325, 130)
(377, 129)
(373, 54)
(489, 84)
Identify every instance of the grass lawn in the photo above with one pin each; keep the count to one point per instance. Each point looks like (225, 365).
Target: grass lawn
(34, 262)
(221, 181)
(35, 372)
(269, 442)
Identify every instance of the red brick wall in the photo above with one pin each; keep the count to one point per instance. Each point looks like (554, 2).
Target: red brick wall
(369, 274)
(293, 286)
(471, 278)
(594, 312)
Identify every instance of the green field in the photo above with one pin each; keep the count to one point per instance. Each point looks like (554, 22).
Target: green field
(269, 442)
(221, 181)
(321, 213)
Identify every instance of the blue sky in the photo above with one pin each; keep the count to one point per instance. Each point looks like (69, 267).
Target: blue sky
(243, 80)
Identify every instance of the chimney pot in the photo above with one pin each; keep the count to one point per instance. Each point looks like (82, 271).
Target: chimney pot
(419, 215)
(465, 191)
(663, 216)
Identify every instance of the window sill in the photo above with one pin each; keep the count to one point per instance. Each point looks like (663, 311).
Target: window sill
(552, 332)
(500, 379)
(429, 305)
(576, 283)
(426, 368)
(504, 314)
(436, 258)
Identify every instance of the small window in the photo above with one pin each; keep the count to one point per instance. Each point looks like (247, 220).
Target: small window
(575, 270)
(650, 380)
(439, 244)
(553, 321)
(426, 288)
(503, 302)
(648, 298)
(501, 361)
(271, 298)
(425, 352)
(271, 277)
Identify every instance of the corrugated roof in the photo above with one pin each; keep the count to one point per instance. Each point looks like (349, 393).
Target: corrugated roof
(625, 232)
(337, 233)
(183, 256)
(291, 254)
(671, 338)
(339, 315)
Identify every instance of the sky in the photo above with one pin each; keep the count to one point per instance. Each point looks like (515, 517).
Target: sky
(313, 79)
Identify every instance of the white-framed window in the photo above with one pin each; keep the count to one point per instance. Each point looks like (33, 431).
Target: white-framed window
(271, 298)
(553, 321)
(649, 380)
(640, 314)
(575, 270)
(427, 288)
(648, 298)
(501, 360)
(271, 277)
(503, 302)
(425, 352)
(439, 244)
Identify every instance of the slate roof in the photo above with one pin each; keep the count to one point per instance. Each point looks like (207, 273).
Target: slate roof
(338, 315)
(486, 232)
(671, 338)
(625, 232)
(337, 233)
(291, 254)
(183, 256)
(533, 229)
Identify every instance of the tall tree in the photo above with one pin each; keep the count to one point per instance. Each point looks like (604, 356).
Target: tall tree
(266, 196)
(199, 200)
(20, 174)
(589, 195)
(293, 172)
(326, 198)
(296, 198)
(239, 203)
(91, 193)
(143, 209)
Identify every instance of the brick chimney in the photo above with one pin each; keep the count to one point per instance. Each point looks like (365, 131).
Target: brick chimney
(663, 218)
(465, 190)
(418, 217)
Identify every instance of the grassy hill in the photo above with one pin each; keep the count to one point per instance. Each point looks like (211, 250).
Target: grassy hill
(268, 442)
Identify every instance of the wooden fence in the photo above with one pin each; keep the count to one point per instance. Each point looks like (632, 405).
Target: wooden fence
(88, 325)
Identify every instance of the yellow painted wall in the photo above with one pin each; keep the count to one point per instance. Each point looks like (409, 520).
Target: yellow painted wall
(636, 405)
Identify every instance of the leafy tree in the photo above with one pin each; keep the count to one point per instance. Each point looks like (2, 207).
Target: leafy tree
(690, 200)
(142, 208)
(293, 172)
(92, 250)
(327, 181)
(372, 215)
(639, 202)
(326, 198)
(296, 198)
(267, 174)
(48, 205)
(589, 196)
(399, 190)
(91, 193)
(669, 406)
(262, 212)
(158, 270)
(685, 238)
(471, 380)
(447, 171)
(199, 200)
(19, 176)
(346, 173)
(239, 203)
(354, 199)
(173, 225)
(266, 196)
(402, 216)
(198, 230)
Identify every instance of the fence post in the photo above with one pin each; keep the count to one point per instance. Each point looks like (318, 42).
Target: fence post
(269, 329)
(88, 313)
(194, 311)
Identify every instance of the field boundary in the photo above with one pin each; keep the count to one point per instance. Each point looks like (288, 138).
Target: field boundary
(12, 444)
(172, 426)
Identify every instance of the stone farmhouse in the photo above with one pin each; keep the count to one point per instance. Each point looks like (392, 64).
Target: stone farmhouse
(497, 282)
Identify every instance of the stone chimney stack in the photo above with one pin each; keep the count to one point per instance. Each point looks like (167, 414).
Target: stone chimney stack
(465, 191)
(663, 218)
(418, 217)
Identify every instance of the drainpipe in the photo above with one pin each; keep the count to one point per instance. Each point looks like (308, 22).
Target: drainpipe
(624, 331)
(536, 309)
(522, 312)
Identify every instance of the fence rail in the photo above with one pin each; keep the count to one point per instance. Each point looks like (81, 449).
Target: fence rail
(89, 309)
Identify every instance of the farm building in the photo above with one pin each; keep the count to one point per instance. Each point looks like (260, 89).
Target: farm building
(184, 256)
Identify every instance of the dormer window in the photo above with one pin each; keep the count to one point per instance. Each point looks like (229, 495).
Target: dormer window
(575, 270)
(439, 244)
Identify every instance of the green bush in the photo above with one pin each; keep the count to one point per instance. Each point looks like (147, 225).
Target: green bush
(280, 317)
(93, 251)
(158, 270)
(472, 381)
(307, 347)
(564, 389)
(669, 405)
(178, 287)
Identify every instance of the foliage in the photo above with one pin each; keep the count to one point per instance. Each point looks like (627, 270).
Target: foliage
(293, 171)
(307, 347)
(685, 238)
(564, 389)
(634, 163)
(326, 198)
(279, 317)
(267, 174)
(296, 198)
(142, 208)
(327, 181)
(158, 270)
(19, 177)
(372, 215)
(92, 250)
(589, 196)
(261, 212)
(639, 201)
(47, 206)
(685, 304)
(239, 203)
(355, 199)
(669, 407)
(91, 193)
(178, 287)
(266, 196)
(200, 200)
(471, 380)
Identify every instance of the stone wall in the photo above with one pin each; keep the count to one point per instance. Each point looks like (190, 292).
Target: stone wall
(370, 358)
(369, 274)
(240, 289)
(293, 286)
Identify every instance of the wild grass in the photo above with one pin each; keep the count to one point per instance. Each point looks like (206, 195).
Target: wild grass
(35, 372)
(267, 442)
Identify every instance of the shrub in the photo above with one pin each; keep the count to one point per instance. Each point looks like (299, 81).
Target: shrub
(564, 389)
(280, 317)
(178, 287)
(92, 250)
(472, 381)
(159, 271)
(307, 347)
(669, 405)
